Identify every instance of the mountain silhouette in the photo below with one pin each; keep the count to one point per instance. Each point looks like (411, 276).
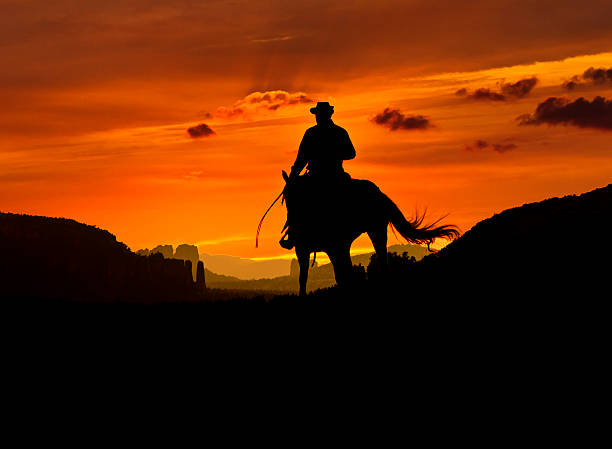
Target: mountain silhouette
(320, 276)
(567, 241)
(183, 252)
(59, 258)
(245, 269)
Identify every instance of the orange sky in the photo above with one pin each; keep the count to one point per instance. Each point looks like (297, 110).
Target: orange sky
(97, 100)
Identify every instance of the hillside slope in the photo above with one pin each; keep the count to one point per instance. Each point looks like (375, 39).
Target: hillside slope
(568, 242)
(568, 254)
(59, 258)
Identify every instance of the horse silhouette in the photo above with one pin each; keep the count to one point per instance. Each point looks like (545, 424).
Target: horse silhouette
(329, 217)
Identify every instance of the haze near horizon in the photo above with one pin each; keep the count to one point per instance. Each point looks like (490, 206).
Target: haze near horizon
(172, 123)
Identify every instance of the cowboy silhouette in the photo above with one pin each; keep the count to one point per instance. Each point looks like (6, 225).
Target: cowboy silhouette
(323, 149)
(327, 209)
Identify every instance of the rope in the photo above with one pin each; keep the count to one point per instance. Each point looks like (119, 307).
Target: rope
(264, 216)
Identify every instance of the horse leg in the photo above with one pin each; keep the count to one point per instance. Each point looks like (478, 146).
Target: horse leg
(303, 260)
(343, 266)
(379, 241)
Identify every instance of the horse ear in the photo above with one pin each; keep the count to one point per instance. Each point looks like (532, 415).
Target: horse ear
(285, 176)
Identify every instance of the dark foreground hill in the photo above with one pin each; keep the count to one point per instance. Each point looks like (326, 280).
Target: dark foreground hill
(479, 327)
(58, 258)
(568, 240)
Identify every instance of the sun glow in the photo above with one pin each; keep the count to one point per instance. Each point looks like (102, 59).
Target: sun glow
(104, 137)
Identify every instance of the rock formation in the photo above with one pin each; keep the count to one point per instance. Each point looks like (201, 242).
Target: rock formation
(62, 259)
(188, 252)
(164, 250)
(200, 281)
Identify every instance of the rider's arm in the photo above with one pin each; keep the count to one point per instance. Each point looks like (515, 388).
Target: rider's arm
(301, 159)
(348, 150)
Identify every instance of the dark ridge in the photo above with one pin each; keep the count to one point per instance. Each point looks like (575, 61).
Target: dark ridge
(538, 252)
(550, 226)
(59, 258)
(556, 247)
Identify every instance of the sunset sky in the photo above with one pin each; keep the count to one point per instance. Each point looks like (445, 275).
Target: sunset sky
(170, 121)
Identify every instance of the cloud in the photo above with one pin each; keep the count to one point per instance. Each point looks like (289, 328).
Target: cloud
(499, 147)
(598, 76)
(487, 94)
(394, 120)
(272, 39)
(257, 102)
(590, 76)
(581, 113)
(201, 130)
(572, 83)
(503, 147)
(481, 144)
(520, 89)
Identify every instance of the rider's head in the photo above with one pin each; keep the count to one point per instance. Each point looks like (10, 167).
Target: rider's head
(323, 112)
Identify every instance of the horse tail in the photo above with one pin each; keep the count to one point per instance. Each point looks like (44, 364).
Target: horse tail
(415, 231)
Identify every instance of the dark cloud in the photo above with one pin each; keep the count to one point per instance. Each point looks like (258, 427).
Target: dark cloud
(263, 101)
(519, 89)
(58, 48)
(394, 120)
(591, 76)
(503, 147)
(486, 94)
(598, 76)
(300, 35)
(581, 113)
(499, 147)
(201, 130)
(572, 83)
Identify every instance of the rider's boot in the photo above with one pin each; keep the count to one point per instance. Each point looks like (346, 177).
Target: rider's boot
(286, 241)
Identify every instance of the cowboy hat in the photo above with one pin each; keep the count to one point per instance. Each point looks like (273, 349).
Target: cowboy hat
(322, 107)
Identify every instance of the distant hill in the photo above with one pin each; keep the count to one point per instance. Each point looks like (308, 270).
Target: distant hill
(235, 269)
(318, 276)
(245, 268)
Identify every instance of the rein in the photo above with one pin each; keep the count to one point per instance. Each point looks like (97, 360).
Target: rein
(264, 216)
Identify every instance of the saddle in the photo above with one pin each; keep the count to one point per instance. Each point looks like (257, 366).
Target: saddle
(317, 206)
